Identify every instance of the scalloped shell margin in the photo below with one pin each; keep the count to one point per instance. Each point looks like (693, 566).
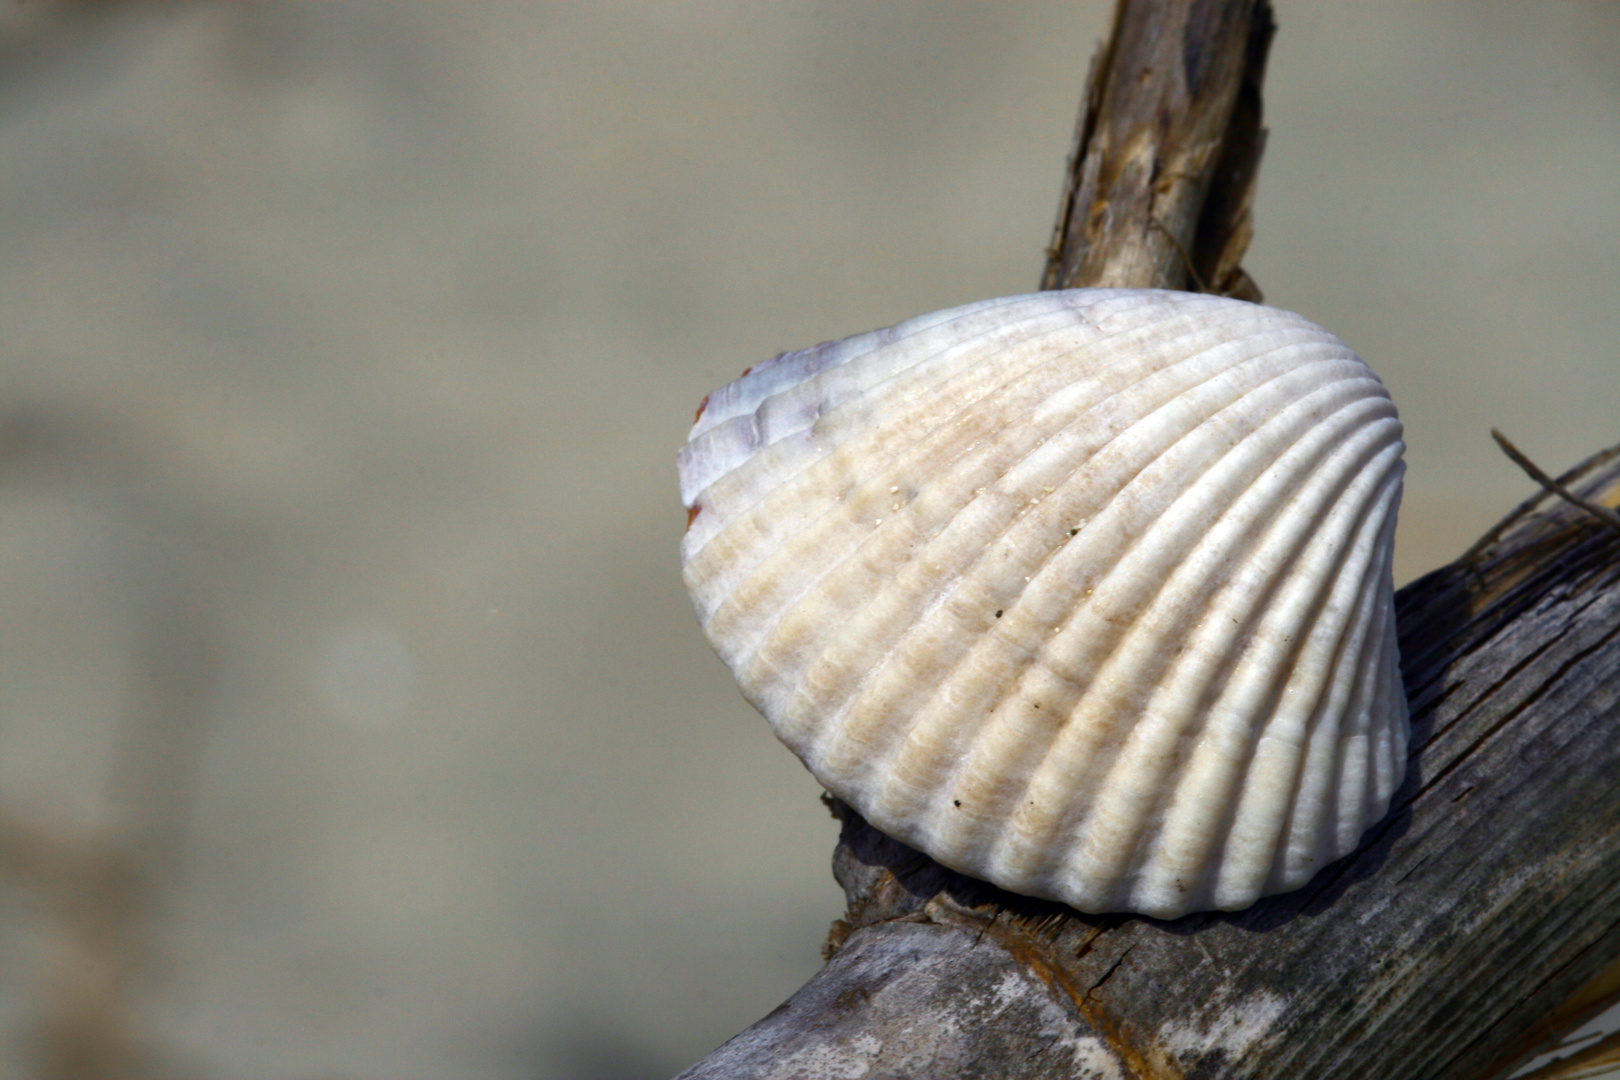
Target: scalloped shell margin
(1084, 593)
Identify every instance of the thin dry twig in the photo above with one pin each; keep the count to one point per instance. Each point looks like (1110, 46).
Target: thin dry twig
(1597, 510)
(1528, 506)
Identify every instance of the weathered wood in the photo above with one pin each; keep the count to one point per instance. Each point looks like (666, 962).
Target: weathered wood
(1488, 896)
(935, 1016)
(1166, 150)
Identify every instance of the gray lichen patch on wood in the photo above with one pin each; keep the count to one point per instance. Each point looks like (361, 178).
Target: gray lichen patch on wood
(1229, 1027)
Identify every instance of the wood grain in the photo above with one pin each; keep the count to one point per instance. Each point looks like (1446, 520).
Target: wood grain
(1161, 176)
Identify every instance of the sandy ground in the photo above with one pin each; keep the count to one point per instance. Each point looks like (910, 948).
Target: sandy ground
(344, 351)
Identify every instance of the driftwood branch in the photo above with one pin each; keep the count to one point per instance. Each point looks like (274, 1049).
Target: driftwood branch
(1479, 919)
(1161, 177)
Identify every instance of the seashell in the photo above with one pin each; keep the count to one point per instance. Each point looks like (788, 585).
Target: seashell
(1084, 593)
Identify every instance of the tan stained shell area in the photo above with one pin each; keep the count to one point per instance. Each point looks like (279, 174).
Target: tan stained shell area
(1084, 593)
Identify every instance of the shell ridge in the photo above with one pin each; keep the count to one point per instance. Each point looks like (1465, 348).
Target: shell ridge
(862, 563)
(967, 388)
(825, 513)
(785, 369)
(1392, 739)
(1064, 667)
(742, 654)
(1105, 337)
(1249, 847)
(793, 406)
(1203, 852)
(742, 395)
(1309, 455)
(1355, 774)
(888, 762)
(1090, 308)
(995, 709)
(1078, 421)
(1309, 788)
(1150, 604)
(1345, 543)
(1313, 840)
(1356, 650)
(834, 518)
(1072, 311)
(785, 413)
(1078, 592)
(1283, 534)
(1381, 784)
(733, 441)
(788, 396)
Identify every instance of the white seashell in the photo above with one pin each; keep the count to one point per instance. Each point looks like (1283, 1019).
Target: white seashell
(1084, 593)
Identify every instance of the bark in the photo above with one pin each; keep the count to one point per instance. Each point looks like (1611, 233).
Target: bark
(1480, 917)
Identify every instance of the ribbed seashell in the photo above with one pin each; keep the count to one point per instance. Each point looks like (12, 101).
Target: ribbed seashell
(1083, 593)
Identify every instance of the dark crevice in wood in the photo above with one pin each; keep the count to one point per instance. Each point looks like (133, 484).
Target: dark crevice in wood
(1512, 714)
(1415, 868)
(1109, 974)
(1487, 696)
(1422, 703)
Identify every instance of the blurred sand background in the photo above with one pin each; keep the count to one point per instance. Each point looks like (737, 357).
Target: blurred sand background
(344, 352)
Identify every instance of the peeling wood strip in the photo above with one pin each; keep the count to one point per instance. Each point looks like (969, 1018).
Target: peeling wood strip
(1597, 1060)
(1589, 1001)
